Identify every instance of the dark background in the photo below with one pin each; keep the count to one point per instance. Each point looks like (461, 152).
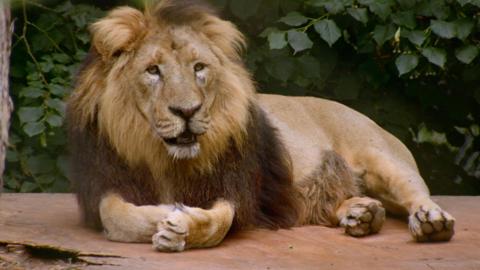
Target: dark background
(349, 51)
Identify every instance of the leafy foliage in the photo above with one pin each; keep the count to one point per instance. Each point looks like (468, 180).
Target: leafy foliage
(49, 43)
(412, 66)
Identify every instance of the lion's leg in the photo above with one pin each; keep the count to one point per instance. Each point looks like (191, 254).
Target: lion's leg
(398, 184)
(191, 227)
(330, 196)
(169, 227)
(361, 216)
(126, 222)
(325, 190)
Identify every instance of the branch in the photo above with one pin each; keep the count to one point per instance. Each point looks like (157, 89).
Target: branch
(27, 45)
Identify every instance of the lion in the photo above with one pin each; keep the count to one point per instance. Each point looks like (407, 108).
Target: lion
(172, 145)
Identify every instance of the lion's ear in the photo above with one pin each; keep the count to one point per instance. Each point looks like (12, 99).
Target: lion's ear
(119, 31)
(225, 36)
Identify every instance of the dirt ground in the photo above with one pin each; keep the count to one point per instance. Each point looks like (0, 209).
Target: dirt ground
(43, 231)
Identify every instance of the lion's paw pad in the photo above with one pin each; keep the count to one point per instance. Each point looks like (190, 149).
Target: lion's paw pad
(172, 233)
(362, 220)
(431, 225)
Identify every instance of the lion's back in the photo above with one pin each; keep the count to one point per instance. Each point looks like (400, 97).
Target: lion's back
(309, 125)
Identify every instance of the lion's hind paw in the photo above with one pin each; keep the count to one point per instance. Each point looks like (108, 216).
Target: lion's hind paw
(363, 219)
(431, 225)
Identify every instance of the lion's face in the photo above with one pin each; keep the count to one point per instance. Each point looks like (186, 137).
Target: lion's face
(173, 81)
(163, 89)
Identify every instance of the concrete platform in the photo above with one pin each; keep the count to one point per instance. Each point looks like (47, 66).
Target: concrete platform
(43, 231)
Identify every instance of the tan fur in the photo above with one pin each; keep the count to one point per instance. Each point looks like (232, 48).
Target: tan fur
(112, 92)
(191, 227)
(386, 166)
(330, 145)
(120, 31)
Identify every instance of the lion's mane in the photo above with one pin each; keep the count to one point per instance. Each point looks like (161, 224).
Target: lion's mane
(114, 149)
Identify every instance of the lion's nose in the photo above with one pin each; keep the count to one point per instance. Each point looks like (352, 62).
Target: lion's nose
(185, 113)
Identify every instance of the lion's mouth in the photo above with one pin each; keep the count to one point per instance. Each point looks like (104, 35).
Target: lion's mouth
(187, 138)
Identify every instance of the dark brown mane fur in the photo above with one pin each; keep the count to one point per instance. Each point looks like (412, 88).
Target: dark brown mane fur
(184, 11)
(257, 179)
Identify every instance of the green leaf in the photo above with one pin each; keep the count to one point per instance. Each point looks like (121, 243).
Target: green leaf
(33, 128)
(328, 30)
(80, 19)
(244, 9)
(416, 37)
(83, 37)
(281, 68)
(359, 14)
(11, 156)
(28, 187)
(30, 114)
(335, 6)
(301, 81)
(56, 104)
(46, 66)
(299, 41)
(80, 55)
(267, 31)
(440, 9)
(405, 18)
(382, 33)
(443, 29)
(406, 63)
(33, 75)
(47, 20)
(58, 90)
(435, 56)
(464, 2)
(436, 8)
(463, 28)
(472, 2)
(294, 19)
(467, 53)
(61, 58)
(309, 66)
(332, 6)
(63, 164)
(40, 164)
(59, 186)
(54, 120)
(45, 179)
(381, 8)
(276, 40)
(31, 92)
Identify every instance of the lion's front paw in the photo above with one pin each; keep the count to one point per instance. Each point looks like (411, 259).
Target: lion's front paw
(363, 219)
(172, 232)
(431, 225)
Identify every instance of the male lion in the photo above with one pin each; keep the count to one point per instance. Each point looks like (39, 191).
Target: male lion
(171, 144)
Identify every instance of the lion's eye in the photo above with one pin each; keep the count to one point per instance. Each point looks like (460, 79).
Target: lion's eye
(199, 67)
(154, 70)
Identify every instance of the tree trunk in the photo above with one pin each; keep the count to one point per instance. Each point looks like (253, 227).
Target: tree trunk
(5, 101)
